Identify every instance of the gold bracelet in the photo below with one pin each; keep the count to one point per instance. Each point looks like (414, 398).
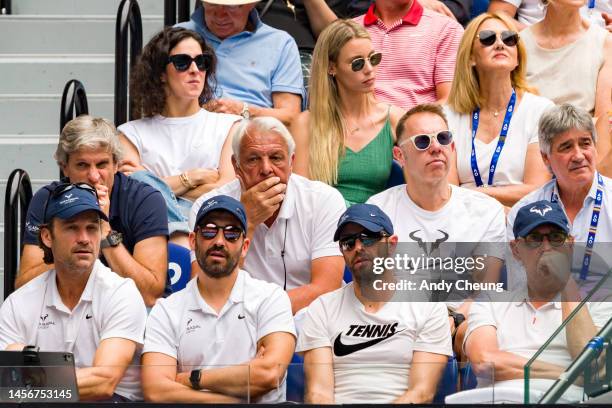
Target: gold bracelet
(184, 178)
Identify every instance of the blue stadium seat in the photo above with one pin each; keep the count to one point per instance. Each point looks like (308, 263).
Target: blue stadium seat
(348, 277)
(448, 382)
(468, 378)
(295, 379)
(179, 267)
(397, 175)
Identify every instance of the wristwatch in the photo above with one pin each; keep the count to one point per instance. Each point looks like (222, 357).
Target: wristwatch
(194, 379)
(458, 318)
(113, 239)
(245, 111)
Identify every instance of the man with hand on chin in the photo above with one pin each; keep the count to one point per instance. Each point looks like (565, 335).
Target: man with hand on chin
(226, 337)
(291, 218)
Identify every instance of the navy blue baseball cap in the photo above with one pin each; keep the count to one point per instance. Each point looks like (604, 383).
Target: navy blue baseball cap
(225, 203)
(369, 216)
(68, 200)
(539, 213)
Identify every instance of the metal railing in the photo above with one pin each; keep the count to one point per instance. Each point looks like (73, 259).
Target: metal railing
(5, 7)
(128, 18)
(74, 102)
(183, 12)
(16, 201)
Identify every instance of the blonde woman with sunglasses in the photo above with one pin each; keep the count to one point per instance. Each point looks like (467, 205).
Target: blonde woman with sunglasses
(346, 137)
(493, 113)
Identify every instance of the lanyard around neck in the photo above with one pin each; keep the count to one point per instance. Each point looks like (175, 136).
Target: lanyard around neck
(588, 252)
(500, 142)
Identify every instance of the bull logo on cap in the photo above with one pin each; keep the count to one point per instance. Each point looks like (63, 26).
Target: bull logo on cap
(541, 211)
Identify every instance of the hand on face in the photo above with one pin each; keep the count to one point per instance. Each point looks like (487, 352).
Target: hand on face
(262, 200)
(103, 198)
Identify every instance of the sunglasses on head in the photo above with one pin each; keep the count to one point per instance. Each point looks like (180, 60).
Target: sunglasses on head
(182, 62)
(422, 142)
(535, 239)
(65, 187)
(358, 63)
(488, 37)
(231, 233)
(367, 240)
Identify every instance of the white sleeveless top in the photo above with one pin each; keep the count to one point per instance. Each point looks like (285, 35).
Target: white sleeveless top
(170, 146)
(567, 74)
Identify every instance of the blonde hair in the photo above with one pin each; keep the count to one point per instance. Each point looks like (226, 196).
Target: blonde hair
(326, 125)
(464, 95)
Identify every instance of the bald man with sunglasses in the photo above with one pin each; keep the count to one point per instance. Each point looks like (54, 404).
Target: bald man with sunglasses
(428, 209)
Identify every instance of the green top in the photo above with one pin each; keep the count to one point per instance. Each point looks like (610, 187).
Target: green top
(365, 173)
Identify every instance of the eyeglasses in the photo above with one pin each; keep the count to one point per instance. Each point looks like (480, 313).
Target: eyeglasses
(231, 233)
(423, 141)
(182, 62)
(487, 37)
(535, 239)
(358, 63)
(367, 240)
(65, 187)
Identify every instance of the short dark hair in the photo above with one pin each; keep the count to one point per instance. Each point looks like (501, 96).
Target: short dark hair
(434, 108)
(47, 253)
(146, 87)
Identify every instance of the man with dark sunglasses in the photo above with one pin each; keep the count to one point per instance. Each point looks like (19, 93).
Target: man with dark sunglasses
(259, 71)
(504, 333)
(362, 344)
(134, 238)
(231, 335)
(79, 306)
(428, 210)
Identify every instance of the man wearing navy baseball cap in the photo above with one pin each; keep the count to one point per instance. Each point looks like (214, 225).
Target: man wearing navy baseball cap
(226, 332)
(508, 332)
(396, 350)
(80, 305)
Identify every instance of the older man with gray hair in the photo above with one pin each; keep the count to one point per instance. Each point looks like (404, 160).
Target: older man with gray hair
(134, 238)
(291, 219)
(568, 147)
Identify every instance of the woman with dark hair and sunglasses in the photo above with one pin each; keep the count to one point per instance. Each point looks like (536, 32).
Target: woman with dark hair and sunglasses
(493, 113)
(346, 137)
(178, 147)
(570, 61)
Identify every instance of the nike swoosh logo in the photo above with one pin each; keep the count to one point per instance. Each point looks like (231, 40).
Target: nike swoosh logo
(341, 349)
(88, 317)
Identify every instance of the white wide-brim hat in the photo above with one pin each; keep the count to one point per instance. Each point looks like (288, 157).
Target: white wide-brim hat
(231, 2)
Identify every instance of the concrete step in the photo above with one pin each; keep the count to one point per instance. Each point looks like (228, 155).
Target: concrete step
(39, 73)
(30, 34)
(39, 114)
(79, 7)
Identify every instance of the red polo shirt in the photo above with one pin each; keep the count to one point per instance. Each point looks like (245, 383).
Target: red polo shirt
(419, 51)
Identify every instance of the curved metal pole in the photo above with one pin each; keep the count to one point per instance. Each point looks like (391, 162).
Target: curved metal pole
(6, 7)
(128, 18)
(18, 196)
(74, 102)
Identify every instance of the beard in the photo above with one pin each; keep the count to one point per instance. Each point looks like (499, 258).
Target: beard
(213, 268)
(363, 273)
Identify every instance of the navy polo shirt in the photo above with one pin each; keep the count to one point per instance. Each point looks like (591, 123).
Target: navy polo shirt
(137, 210)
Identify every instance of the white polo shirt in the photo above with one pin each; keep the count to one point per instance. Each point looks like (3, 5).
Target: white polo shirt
(579, 228)
(372, 352)
(522, 329)
(308, 217)
(110, 306)
(183, 326)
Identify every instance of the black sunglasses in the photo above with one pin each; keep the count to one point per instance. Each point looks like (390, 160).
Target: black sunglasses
(535, 239)
(358, 63)
(488, 37)
(182, 62)
(367, 240)
(231, 233)
(422, 142)
(64, 187)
